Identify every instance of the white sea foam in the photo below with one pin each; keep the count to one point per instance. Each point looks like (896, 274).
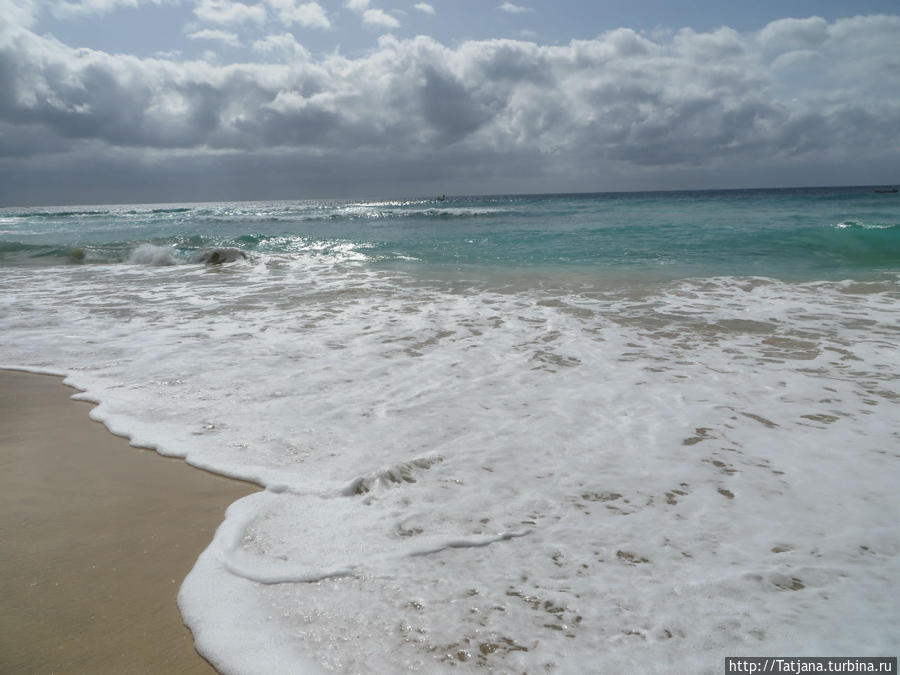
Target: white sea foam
(612, 480)
(847, 224)
(409, 210)
(153, 256)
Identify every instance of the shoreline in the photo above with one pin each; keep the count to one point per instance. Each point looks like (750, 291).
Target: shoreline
(97, 537)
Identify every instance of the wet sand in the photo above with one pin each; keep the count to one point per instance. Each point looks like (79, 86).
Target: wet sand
(95, 540)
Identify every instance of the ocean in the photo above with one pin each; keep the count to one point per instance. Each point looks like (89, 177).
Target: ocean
(630, 432)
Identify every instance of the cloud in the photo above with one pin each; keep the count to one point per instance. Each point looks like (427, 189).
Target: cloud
(514, 9)
(222, 36)
(379, 18)
(424, 7)
(373, 17)
(283, 45)
(228, 12)
(794, 33)
(697, 103)
(308, 14)
(17, 14)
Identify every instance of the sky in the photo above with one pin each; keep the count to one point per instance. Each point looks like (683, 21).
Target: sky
(117, 101)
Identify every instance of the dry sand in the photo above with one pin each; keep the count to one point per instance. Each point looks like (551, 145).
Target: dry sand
(95, 540)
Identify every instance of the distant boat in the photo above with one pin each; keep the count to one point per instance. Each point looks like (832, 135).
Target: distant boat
(885, 191)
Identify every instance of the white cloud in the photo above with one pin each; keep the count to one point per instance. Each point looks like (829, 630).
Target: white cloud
(688, 100)
(794, 33)
(307, 14)
(514, 9)
(228, 12)
(377, 17)
(170, 55)
(373, 17)
(285, 45)
(222, 36)
(17, 13)
(424, 7)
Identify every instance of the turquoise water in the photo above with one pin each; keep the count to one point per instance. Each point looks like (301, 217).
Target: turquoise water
(798, 234)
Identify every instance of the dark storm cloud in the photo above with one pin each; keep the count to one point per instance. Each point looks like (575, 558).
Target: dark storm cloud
(797, 90)
(449, 108)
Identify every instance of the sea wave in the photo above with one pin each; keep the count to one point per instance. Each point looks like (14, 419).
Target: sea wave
(15, 252)
(407, 433)
(851, 224)
(782, 234)
(186, 249)
(346, 212)
(153, 256)
(58, 214)
(370, 211)
(858, 243)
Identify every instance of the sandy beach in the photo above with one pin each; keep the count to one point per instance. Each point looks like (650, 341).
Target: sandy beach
(97, 537)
